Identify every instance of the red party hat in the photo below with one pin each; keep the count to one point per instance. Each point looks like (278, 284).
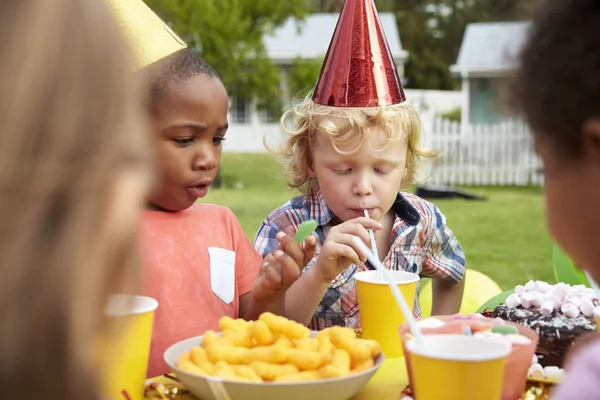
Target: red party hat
(359, 69)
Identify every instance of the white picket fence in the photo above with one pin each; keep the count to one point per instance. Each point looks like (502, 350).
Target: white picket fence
(500, 154)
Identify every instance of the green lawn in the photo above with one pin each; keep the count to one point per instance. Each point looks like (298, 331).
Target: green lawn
(504, 237)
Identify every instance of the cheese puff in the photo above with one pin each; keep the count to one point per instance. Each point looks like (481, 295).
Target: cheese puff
(274, 322)
(225, 371)
(247, 374)
(295, 330)
(304, 359)
(303, 376)
(338, 334)
(374, 346)
(246, 325)
(261, 333)
(183, 358)
(210, 338)
(228, 333)
(365, 365)
(359, 351)
(284, 342)
(323, 334)
(291, 329)
(339, 366)
(199, 357)
(229, 354)
(306, 344)
(192, 368)
(228, 323)
(270, 354)
(270, 372)
(241, 339)
(326, 349)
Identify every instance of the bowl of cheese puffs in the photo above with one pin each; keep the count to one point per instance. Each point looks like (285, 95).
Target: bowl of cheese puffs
(274, 358)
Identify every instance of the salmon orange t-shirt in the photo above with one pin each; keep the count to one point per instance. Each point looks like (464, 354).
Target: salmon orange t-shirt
(197, 264)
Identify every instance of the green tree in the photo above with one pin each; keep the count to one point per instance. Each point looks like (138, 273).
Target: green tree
(432, 31)
(229, 34)
(303, 75)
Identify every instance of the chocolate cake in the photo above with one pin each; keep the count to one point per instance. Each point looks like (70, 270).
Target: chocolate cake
(558, 313)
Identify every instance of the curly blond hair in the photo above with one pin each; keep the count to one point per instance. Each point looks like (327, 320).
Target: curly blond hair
(306, 118)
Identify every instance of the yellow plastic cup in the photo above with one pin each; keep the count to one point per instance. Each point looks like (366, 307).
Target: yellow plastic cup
(124, 348)
(380, 316)
(458, 367)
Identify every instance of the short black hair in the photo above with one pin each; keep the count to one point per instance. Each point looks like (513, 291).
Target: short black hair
(176, 68)
(558, 84)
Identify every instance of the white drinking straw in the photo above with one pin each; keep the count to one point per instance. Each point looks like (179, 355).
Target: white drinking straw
(412, 323)
(373, 243)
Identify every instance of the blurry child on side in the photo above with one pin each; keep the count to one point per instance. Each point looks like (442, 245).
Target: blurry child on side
(558, 88)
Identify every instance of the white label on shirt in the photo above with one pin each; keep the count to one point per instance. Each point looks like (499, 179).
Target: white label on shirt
(222, 273)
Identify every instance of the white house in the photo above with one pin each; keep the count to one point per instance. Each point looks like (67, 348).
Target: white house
(488, 56)
(306, 39)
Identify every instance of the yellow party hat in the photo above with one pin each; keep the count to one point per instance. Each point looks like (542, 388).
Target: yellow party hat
(149, 37)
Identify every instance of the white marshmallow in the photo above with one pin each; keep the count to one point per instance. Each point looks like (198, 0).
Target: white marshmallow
(573, 292)
(597, 311)
(587, 309)
(547, 308)
(570, 310)
(537, 300)
(534, 359)
(519, 289)
(553, 372)
(560, 291)
(576, 301)
(556, 301)
(515, 338)
(430, 323)
(530, 286)
(588, 297)
(513, 301)
(542, 287)
(527, 299)
(536, 371)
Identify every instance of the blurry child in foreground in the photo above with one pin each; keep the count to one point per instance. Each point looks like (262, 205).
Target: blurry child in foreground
(558, 87)
(199, 264)
(72, 179)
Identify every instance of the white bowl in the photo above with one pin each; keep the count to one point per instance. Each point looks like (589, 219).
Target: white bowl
(326, 389)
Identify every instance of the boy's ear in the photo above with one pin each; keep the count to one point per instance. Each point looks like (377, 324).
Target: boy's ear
(591, 138)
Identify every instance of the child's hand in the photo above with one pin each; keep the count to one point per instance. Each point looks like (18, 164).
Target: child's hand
(282, 267)
(339, 250)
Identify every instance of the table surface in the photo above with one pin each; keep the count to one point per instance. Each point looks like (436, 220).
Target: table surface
(386, 384)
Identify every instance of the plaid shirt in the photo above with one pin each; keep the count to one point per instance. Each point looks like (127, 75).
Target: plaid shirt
(420, 243)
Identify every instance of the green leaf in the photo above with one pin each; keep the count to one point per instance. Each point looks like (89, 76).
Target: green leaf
(565, 270)
(495, 301)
